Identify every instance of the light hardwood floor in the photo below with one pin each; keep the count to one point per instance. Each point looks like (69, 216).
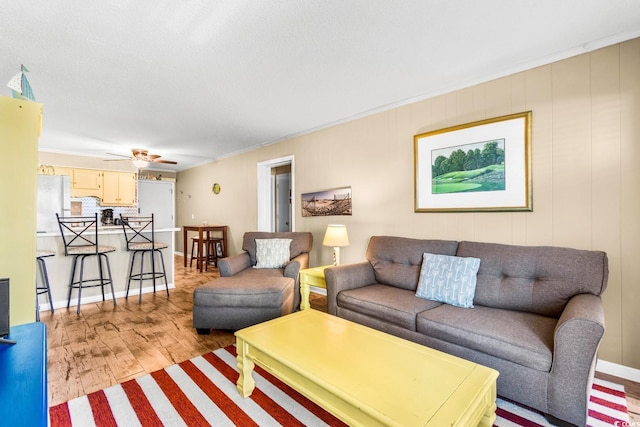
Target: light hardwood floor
(106, 345)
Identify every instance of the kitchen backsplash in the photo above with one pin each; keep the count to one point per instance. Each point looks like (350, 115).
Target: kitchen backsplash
(90, 207)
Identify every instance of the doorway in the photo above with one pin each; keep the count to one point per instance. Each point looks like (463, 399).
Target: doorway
(281, 182)
(276, 203)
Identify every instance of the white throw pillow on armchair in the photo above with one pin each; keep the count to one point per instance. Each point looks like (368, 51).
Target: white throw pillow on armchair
(272, 253)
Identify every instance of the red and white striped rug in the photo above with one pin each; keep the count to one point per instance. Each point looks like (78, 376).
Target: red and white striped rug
(202, 391)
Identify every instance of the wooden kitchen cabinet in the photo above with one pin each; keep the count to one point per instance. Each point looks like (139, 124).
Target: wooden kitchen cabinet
(118, 188)
(61, 170)
(86, 182)
(113, 188)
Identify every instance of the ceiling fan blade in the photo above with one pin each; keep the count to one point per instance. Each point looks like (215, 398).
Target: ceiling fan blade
(152, 157)
(116, 160)
(169, 162)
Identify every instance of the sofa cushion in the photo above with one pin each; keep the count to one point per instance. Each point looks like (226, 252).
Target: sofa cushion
(396, 260)
(448, 279)
(534, 279)
(522, 338)
(384, 302)
(272, 253)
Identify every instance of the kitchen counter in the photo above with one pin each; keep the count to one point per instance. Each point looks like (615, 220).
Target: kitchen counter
(59, 266)
(105, 229)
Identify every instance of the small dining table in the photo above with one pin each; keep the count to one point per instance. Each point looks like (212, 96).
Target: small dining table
(202, 229)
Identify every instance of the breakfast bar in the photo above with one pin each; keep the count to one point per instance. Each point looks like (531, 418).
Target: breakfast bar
(59, 266)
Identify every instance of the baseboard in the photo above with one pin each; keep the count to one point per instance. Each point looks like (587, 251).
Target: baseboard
(179, 253)
(321, 291)
(98, 298)
(621, 371)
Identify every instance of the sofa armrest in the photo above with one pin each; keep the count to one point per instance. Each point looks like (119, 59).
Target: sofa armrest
(576, 340)
(343, 277)
(234, 264)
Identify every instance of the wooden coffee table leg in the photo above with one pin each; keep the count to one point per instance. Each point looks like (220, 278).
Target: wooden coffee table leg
(490, 414)
(245, 384)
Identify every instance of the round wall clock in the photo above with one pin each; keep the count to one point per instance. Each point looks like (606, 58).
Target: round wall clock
(216, 188)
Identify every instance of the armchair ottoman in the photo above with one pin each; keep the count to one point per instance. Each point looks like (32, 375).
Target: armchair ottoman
(222, 304)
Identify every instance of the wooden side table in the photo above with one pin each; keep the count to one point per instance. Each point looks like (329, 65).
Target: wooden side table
(311, 277)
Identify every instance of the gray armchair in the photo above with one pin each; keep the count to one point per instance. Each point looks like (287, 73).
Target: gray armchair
(245, 295)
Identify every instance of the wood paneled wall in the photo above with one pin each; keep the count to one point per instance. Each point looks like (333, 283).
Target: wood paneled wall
(586, 179)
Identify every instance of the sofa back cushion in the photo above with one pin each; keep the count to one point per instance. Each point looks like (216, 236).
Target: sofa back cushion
(536, 279)
(301, 241)
(396, 261)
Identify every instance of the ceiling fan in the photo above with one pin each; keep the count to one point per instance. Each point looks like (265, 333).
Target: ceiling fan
(141, 158)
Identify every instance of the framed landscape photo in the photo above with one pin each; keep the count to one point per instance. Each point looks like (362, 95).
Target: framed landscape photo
(475, 167)
(336, 201)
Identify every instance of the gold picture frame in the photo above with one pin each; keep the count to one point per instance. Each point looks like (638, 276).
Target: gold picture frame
(483, 166)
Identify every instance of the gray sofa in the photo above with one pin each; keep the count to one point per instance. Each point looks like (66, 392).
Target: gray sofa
(537, 318)
(245, 295)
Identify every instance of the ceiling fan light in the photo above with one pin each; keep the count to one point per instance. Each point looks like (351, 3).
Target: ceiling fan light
(139, 163)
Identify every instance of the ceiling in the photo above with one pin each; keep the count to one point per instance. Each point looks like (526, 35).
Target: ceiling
(200, 80)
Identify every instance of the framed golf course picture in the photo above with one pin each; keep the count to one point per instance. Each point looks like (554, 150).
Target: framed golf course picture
(475, 167)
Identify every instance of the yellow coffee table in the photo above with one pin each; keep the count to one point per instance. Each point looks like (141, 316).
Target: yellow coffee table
(366, 377)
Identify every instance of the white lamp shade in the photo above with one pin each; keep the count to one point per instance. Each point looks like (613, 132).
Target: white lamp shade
(336, 236)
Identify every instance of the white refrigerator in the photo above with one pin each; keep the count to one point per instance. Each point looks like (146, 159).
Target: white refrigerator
(54, 196)
(156, 197)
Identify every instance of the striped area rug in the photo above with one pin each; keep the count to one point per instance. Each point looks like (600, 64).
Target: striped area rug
(202, 391)
(607, 407)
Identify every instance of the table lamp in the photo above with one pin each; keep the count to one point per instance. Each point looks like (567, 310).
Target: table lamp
(336, 237)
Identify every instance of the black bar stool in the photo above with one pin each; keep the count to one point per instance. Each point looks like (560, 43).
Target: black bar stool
(80, 238)
(140, 244)
(43, 288)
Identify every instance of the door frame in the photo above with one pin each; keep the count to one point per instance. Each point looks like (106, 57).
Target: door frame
(265, 192)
